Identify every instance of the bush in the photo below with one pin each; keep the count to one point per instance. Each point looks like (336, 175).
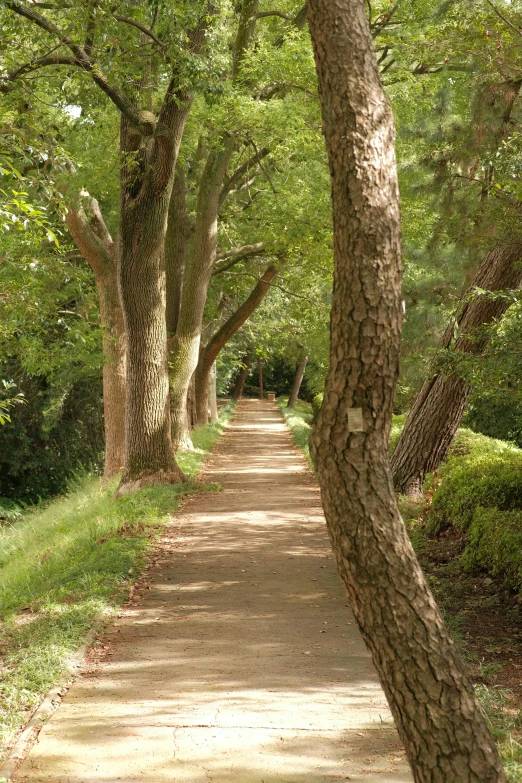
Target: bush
(495, 544)
(479, 472)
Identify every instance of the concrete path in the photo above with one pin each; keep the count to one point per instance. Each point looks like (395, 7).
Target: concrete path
(237, 660)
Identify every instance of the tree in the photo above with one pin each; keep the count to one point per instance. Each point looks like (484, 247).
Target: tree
(150, 136)
(96, 245)
(430, 695)
(211, 350)
(299, 375)
(439, 406)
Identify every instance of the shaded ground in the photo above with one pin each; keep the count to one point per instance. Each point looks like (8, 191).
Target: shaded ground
(485, 617)
(236, 658)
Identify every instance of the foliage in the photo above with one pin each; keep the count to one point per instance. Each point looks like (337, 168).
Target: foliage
(479, 472)
(63, 564)
(8, 400)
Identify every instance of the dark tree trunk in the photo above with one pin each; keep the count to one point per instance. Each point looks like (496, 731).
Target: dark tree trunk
(260, 373)
(437, 411)
(210, 352)
(299, 375)
(146, 185)
(430, 695)
(239, 384)
(95, 244)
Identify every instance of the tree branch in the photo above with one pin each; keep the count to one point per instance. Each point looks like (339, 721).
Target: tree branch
(236, 320)
(92, 238)
(144, 122)
(241, 172)
(263, 14)
(501, 16)
(236, 255)
(141, 27)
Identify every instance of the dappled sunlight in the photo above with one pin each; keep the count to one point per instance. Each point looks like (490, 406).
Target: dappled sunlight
(239, 659)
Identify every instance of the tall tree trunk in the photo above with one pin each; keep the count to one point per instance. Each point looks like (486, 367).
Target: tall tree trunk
(95, 244)
(260, 373)
(299, 374)
(210, 352)
(184, 346)
(239, 384)
(438, 408)
(147, 177)
(176, 244)
(430, 695)
(212, 394)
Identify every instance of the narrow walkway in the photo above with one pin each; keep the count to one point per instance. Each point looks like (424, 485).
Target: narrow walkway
(238, 660)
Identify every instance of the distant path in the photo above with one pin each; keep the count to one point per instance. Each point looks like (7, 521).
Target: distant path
(239, 662)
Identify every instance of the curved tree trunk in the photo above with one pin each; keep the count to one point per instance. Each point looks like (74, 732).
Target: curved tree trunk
(239, 384)
(95, 244)
(299, 375)
(437, 411)
(210, 353)
(430, 695)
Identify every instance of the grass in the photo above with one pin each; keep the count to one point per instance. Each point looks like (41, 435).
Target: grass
(504, 720)
(299, 420)
(63, 565)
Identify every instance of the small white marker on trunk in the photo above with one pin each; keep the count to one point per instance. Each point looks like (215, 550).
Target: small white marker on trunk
(355, 420)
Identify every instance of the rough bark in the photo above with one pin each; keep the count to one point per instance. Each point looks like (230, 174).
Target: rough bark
(438, 408)
(239, 384)
(94, 242)
(147, 178)
(299, 375)
(211, 351)
(430, 695)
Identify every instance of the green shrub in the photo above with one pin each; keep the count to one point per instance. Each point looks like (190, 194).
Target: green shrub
(479, 472)
(495, 544)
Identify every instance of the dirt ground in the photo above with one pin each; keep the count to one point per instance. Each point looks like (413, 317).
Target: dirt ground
(483, 614)
(236, 657)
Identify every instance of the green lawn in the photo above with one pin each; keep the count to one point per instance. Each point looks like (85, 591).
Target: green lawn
(65, 564)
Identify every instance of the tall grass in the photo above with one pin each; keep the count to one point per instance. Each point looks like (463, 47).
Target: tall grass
(64, 564)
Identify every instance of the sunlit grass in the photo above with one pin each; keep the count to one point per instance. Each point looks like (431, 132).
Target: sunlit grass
(64, 564)
(299, 420)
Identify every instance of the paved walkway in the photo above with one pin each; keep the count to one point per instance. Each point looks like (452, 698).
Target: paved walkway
(238, 660)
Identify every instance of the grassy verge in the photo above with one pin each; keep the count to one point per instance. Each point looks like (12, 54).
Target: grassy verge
(299, 420)
(63, 565)
(466, 512)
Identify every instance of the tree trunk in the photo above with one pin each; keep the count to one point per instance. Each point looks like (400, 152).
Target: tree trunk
(184, 347)
(437, 411)
(210, 352)
(147, 177)
(176, 242)
(260, 373)
(239, 384)
(299, 374)
(430, 695)
(95, 244)
(212, 394)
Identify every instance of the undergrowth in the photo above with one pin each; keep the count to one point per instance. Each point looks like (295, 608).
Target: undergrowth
(65, 564)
